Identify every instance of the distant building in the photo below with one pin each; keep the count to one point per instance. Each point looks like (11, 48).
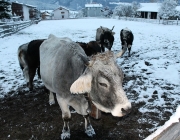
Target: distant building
(93, 10)
(60, 13)
(25, 11)
(46, 14)
(150, 10)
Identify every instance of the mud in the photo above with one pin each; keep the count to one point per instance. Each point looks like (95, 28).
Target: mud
(27, 115)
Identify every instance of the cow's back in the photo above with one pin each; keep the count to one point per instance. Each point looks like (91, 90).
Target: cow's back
(33, 52)
(60, 63)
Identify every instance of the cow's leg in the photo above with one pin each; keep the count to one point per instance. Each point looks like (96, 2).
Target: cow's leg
(88, 127)
(102, 48)
(66, 115)
(51, 98)
(38, 72)
(27, 77)
(81, 106)
(32, 73)
(129, 48)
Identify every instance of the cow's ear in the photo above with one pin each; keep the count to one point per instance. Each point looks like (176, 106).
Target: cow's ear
(113, 33)
(82, 84)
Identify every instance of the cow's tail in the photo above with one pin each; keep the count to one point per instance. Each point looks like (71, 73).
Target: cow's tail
(22, 59)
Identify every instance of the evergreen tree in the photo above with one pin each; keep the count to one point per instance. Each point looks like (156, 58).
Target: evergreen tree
(5, 9)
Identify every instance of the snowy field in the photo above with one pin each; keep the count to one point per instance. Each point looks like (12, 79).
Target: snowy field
(152, 72)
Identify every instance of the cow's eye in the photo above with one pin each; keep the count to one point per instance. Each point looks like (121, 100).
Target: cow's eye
(103, 84)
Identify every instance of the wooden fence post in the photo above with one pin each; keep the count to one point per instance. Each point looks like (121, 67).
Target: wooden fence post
(177, 21)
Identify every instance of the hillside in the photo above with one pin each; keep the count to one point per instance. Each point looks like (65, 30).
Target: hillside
(71, 4)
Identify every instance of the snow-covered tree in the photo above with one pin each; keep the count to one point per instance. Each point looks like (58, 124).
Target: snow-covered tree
(168, 10)
(125, 10)
(117, 11)
(106, 12)
(5, 9)
(80, 14)
(135, 5)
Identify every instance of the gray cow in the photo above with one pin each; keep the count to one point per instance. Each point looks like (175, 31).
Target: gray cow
(67, 71)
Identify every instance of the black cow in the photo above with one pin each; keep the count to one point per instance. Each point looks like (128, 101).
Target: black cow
(127, 38)
(90, 48)
(28, 56)
(105, 37)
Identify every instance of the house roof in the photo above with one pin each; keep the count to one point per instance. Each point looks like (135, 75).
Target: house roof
(49, 11)
(149, 7)
(24, 4)
(93, 5)
(152, 7)
(46, 13)
(62, 8)
(30, 5)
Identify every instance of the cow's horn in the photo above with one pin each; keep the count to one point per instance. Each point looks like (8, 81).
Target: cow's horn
(112, 28)
(121, 52)
(91, 63)
(85, 59)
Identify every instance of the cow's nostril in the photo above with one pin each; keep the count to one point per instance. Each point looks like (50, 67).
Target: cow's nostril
(126, 111)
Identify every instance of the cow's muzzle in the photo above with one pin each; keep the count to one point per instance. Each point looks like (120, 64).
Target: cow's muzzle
(125, 111)
(106, 41)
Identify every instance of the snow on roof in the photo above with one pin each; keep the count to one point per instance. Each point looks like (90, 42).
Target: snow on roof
(149, 7)
(46, 14)
(28, 5)
(49, 11)
(118, 3)
(93, 5)
(17, 2)
(178, 8)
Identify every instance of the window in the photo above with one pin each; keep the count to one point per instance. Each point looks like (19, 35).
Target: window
(62, 12)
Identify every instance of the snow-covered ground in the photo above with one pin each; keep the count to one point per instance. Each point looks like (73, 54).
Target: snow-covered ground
(155, 59)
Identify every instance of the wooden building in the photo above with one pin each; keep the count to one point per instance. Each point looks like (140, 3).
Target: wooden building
(149, 10)
(25, 11)
(93, 10)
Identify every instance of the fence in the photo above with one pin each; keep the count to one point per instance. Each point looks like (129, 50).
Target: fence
(10, 28)
(157, 21)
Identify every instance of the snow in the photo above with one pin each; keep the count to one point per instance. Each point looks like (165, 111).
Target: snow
(93, 5)
(154, 61)
(149, 7)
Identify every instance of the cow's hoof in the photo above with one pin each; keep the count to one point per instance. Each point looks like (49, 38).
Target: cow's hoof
(65, 135)
(51, 102)
(90, 131)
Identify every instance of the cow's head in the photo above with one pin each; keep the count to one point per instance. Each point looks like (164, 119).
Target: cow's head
(125, 35)
(103, 79)
(108, 37)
